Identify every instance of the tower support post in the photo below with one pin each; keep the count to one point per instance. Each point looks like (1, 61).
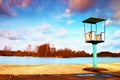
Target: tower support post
(95, 55)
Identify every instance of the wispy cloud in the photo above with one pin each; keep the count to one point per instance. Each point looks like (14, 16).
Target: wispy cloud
(62, 32)
(67, 13)
(117, 35)
(10, 35)
(70, 21)
(45, 28)
(112, 43)
(108, 22)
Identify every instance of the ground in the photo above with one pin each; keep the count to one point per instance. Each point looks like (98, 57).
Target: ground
(56, 72)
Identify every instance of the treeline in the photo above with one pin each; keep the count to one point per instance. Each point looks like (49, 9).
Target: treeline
(108, 54)
(46, 51)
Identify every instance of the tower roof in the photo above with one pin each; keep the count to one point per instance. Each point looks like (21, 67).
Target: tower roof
(93, 20)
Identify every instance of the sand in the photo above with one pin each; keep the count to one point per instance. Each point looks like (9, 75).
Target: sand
(56, 69)
(56, 72)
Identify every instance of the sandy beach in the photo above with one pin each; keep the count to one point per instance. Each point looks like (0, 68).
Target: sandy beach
(57, 69)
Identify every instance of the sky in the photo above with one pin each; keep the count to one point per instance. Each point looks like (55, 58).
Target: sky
(57, 22)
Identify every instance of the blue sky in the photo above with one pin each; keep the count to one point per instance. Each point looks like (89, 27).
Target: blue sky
(58, 22)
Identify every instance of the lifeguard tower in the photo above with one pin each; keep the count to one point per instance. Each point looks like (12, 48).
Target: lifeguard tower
(94, 35)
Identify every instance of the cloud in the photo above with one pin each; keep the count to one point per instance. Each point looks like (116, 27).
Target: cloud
(115, 18)
(59, 17)
(67, 13)
(116, 15)
(0, 2)
(5, 10)
(108, 22)
(10, 7)
(70, 21)
(111, 43)
(105, 9)
(81, 5)
(113, 22)
(114, 4)
(10, 35)
(19, 3)
(117, 35)
(62, 32)
(26, 3)
(23, 3)
(46, 28)
(14, 44)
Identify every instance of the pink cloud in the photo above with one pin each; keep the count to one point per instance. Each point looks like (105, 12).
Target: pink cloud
(19, 3)
(15, 3)
(81, 5)
(115, 5)
(5, 9)
(110, 7)
(0, 2)
(8, 7)
(116, 15)
(26, 3)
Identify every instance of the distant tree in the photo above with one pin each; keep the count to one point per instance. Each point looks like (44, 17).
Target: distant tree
(52, 51)
(7, 50)
(105, 54)
(18, 53)
(1, 52)
(43, 50)
(29, 48)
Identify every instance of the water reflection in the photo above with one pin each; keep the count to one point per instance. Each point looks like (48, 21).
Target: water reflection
(99, 75)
